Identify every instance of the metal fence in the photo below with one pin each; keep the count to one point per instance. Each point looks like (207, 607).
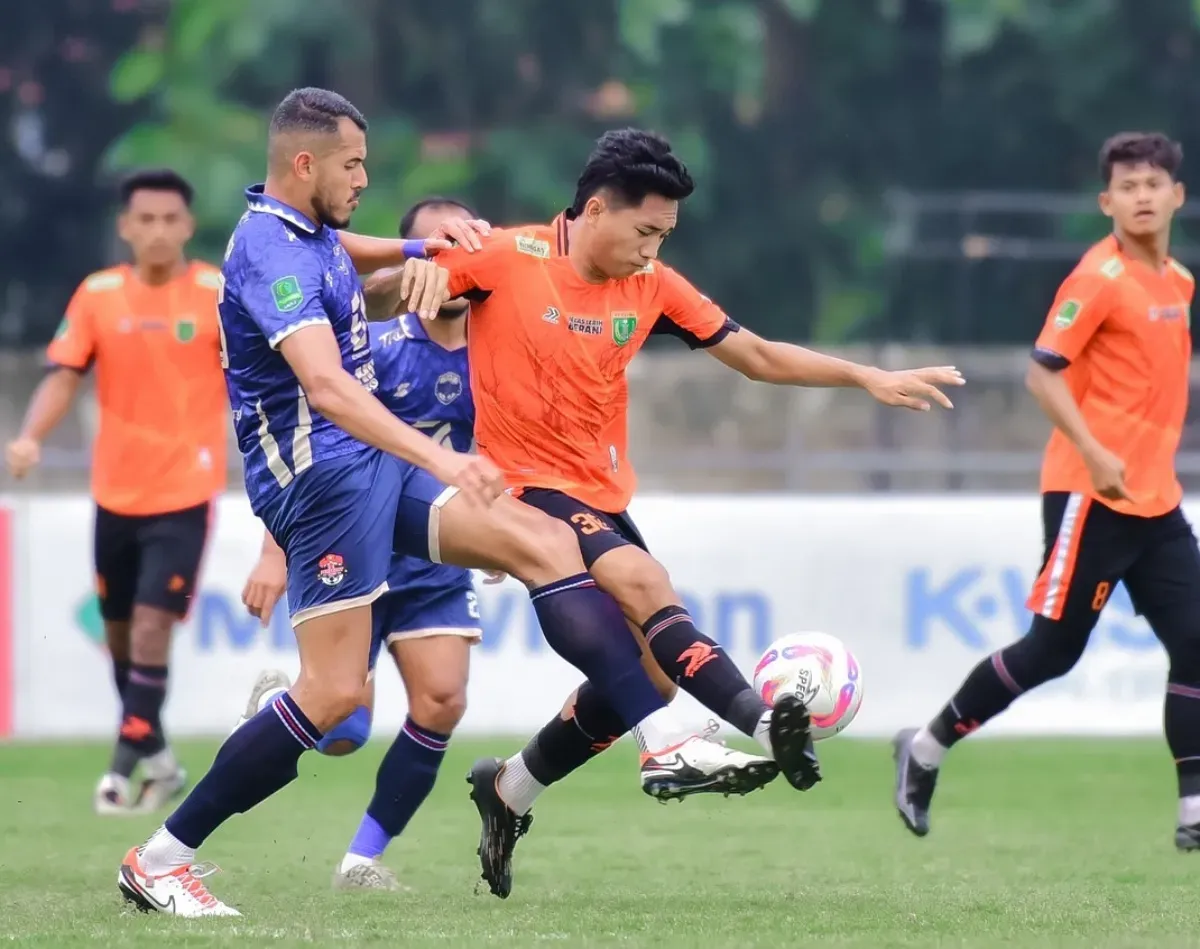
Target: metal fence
(697, 426)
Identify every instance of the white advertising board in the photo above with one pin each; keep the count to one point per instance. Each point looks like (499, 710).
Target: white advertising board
(920, 588)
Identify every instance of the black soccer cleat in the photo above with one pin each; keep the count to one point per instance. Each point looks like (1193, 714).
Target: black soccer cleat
(1187, 838)
(914, 784)
(501, 827)
(792, 743)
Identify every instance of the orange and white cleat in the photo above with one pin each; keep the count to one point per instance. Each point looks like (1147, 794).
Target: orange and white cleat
(700, 766)
(179, 893)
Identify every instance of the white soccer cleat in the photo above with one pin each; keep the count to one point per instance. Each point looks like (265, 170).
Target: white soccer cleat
(113, 797)
(367, 876)
(158, 792)
(179, 893)
(700, 766)
(269, 683)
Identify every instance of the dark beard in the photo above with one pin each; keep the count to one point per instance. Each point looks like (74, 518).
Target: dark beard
(325, 217)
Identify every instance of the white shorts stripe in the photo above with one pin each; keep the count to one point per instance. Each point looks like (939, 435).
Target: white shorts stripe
(1056, 587)
(435, 519)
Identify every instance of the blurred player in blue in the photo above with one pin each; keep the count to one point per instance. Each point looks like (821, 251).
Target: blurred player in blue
(429, 618)
(339, 482)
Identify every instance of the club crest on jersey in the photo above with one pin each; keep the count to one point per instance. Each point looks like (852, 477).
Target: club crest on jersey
(331, 569)
(624, 325)
(448, 387)
(1066, 314)
(185, 330)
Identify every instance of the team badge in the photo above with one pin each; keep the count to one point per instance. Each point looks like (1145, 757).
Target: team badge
(448, 387)
(287, 294)
(1066, 314)
(185, 330)
(331, 569)
(624, 325)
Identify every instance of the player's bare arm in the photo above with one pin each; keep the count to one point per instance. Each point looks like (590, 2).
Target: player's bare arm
(764, 360)
(313, 355)
(418, 286)
(369, 254)
(47, 408)
(1054, 396)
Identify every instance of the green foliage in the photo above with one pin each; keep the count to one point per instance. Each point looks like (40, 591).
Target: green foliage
(795, 116)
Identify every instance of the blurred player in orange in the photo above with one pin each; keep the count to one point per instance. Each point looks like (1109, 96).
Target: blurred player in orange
(558, 313)
(1110, 370)
(150, 330)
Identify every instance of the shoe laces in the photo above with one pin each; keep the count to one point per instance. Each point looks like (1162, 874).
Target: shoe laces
(192, 881)
(710, 730)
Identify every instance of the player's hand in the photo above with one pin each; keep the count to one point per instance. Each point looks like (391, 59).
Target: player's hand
(265, 586)
(22, 455)
(473, 475)
(491, 577)
(914, 388)
(423, 287)
(457, 231)
(1108, 473)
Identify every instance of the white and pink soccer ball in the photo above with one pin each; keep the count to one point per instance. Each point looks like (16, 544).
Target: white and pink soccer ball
(820, 670)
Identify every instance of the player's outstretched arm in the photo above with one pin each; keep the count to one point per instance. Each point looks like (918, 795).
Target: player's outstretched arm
(47, 408)
(369, 254)
(314, 356)
(765, 360)
(417, 287)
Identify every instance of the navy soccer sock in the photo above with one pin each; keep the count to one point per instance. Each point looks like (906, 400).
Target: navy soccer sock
(567, 744)
(121, 676)
(257, 760)
(703, 669)
(585, 626)
(141, 733)
(405, 778)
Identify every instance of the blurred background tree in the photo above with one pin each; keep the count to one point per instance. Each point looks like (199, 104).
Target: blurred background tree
(800, 119)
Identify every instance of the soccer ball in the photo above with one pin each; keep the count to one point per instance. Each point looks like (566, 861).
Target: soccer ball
(820, 670)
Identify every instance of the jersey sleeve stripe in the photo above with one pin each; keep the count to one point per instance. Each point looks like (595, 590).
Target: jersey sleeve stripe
(1056, 362)
(291, 328)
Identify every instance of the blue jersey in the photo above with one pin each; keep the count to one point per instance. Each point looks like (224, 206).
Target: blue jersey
(283, 272)
(428, 387)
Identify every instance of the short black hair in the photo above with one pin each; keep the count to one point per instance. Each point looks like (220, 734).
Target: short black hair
(155, 179)
(314, 110)
(630, 164)
(433, 201)
(1137, 148)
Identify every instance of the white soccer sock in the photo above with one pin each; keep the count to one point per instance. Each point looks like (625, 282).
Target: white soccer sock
(1189, 810)
(660, 730)
(161, 765)
(927, 751)
(355, 860)
(762, 733)
(517, 787)
(163, 852)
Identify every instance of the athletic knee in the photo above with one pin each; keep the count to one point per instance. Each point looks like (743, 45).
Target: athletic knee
(642, 587)
(348, 735)
(150, 636)
(329, 701)
(548, 550)
(1183, 653)
(1048, 651)
(438, 705)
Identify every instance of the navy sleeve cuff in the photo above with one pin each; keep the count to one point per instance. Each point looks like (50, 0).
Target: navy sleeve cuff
(1050, 359)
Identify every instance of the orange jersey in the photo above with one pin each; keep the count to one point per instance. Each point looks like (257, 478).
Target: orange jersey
(1123, 332)
(548, 352)
(159, 385)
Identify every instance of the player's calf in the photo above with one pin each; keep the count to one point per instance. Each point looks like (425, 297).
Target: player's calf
(689, 658)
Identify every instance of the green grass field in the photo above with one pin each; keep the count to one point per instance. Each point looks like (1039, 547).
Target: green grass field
(1036, 844)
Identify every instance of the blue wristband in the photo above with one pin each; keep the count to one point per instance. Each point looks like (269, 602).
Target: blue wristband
(414, 248)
